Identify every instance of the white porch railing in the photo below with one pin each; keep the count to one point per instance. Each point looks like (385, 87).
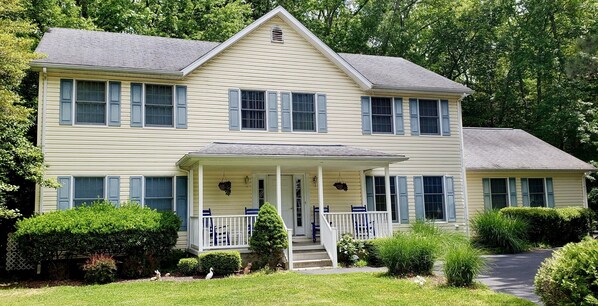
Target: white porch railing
(221, 232)
(328, 236)
(361, 225)
(193, 231)
(288, 252)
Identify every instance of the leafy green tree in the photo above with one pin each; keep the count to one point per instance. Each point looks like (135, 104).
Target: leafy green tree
(269, 237)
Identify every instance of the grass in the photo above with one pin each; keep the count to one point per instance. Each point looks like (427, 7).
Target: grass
(262, 289)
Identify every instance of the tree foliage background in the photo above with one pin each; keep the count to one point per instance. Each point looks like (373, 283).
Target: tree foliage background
(532, 63)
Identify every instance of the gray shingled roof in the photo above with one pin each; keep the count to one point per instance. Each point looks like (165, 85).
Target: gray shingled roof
(136, 53)
(290, 150)
(387, 72)
(514, 149)
(118, 50)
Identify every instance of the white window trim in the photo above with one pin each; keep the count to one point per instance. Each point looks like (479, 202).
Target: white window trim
(315, 95)
(440, 129)
(266, 109)
(72, 188)
(392, 117)
(173, 186)
(173, 107)
(106, 102)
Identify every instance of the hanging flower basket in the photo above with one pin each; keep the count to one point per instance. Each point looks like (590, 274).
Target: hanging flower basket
(341, 186)
(226, 187)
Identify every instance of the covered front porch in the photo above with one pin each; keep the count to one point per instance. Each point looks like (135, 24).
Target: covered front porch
(230, 181)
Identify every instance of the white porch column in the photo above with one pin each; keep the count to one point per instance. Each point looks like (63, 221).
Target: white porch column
(388, 199)
(200, 205)
(320, 190)
(364, 199)
(278, 191)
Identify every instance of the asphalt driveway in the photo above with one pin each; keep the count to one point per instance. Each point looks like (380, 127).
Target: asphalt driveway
(514, 273)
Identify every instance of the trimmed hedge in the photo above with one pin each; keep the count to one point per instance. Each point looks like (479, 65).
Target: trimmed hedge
(554, 226)
(188, 266)
(570, 276)
(99, 228)
(223, 262)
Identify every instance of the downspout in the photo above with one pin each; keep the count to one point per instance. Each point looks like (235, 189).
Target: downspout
(463, 172)
(42, 137)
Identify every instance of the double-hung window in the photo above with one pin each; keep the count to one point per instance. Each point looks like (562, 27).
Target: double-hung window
(429, 117)
(499, 193)
(537, 194)
(380, 196)
(159, 193)
(90, 102)
(253, 110)
(382, 121)
(159, 100)
(434, 207)
(304, 112)
(86, 190)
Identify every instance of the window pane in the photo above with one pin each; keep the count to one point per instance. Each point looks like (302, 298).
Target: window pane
(429, 120)
(498, 193)
(498, 186)
(158, 115)
(158, 94)
(91, 102)
(380, 196)
(253, 110)
(382, 115)
(87, 190)
(433, 197)
(158, 105)
(158, 193)
(536, 192)
(304, 114)
(536, 185)
(499, 201)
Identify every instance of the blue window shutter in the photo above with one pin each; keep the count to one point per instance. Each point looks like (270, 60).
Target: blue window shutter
(449, 182)
(525, 192)
(366, 119)
(272, 111)
(113, 183)
(446, 120)
(369, 193)
(64, 193)
(322, 115)
(414, 115)
(549, 193)
(403, 199)
(487, 197)
(418, 188)
(136, 104)
(114, 104)
(234, 109)
(181, 107)
(285, 101)
(181, 200)
(399, 124)
(136, 189)
(512, 192)
(66, 102)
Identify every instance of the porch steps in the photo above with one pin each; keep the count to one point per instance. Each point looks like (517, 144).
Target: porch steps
(309, 255)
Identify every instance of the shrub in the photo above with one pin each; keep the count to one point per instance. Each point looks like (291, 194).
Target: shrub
(350, 250)
(269, 237)
(188, 266)
(553, 226)
(570, 276)
(170, 261)
(98, 228)
(223, 262)
(372, 249)
(500, 232)
(408, 254)
(462, 263)
(138, 265)
(444, 239)
(100, 269)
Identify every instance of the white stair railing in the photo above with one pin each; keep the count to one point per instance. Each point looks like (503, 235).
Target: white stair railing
(360, 225)
(288, 252)
(328, 236)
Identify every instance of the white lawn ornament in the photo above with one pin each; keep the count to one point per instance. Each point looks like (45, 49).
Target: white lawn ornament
(157, 277)
(209, 276)
(419, 280)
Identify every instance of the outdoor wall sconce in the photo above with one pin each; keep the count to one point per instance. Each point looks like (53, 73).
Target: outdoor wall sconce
(247, 180)
(314, 180)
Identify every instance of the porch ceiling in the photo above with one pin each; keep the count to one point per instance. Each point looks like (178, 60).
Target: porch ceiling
(293, 156)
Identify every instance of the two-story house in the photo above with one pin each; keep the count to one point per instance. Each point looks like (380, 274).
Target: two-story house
(338, 143)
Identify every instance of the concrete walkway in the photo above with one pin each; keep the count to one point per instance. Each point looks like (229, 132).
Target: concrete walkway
(342, 270)
(514, 273)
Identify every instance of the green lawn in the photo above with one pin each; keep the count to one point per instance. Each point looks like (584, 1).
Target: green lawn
(280, 288)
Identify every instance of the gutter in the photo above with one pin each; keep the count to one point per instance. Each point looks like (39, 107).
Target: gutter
(171, 74)
(464, 92)
(43, 120)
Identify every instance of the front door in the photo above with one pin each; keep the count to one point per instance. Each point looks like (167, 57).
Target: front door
(291, 202)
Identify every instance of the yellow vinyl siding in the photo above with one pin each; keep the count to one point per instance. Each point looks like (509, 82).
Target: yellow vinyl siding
(252, 63)
(568, 187)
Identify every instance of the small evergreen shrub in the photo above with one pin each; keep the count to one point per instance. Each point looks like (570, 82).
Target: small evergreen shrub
(462, 263)
(269, 238)
(188, 266)
(500, 232)
(553, 226)
(570, 276)
(223, 262)
(137, 266)
(350, 250)
(100, 269)
(408, 254)
(372, 249)
(100, 228)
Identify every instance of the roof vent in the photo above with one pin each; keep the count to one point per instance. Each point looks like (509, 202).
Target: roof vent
(277, 35)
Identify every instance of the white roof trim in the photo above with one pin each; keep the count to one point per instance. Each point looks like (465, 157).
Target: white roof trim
(301, 29)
